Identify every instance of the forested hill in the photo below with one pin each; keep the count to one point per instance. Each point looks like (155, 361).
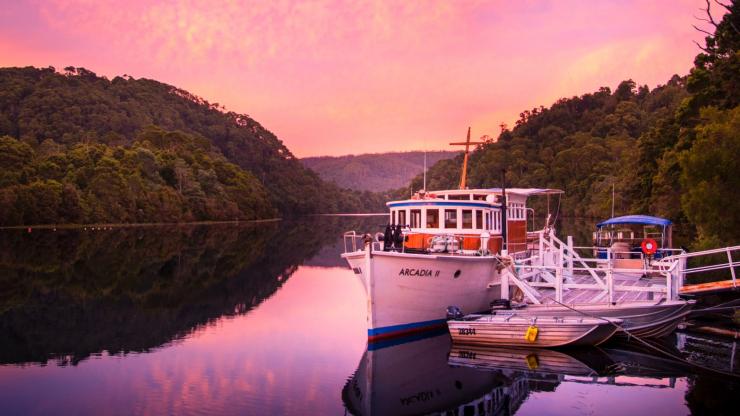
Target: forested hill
(76, 147)
(373, 172)
(673, 151)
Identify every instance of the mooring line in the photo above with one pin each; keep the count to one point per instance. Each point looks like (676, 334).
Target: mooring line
(648, 344)
(508, 263)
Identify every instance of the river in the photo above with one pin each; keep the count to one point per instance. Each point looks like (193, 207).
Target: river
(266, 319)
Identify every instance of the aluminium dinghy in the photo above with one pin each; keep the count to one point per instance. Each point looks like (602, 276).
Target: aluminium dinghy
(531, 331)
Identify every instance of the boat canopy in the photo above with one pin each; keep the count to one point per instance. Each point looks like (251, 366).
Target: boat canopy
(635, 219)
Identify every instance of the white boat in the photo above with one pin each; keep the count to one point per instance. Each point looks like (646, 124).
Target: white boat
(440, 249)
(531, 331)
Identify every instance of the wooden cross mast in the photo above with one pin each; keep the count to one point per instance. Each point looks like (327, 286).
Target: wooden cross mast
(467, 143)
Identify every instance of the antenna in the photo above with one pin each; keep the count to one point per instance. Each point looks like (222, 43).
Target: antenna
(612, 200)
(466, 143)
(425, 170)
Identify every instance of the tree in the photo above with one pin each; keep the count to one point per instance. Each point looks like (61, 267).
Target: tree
(710, 177)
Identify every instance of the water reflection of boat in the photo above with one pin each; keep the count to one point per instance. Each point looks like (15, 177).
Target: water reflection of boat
(421, 377)
(585, 362)
(414, 378)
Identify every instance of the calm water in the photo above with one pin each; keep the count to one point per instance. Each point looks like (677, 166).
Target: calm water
(266, 319)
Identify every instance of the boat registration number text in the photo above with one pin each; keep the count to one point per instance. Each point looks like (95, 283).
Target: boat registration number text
(466, 331)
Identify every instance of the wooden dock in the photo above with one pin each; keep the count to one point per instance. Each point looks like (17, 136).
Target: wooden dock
(711, 287)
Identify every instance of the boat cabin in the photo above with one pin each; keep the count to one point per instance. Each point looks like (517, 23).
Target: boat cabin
(461, 221)
(626, 236)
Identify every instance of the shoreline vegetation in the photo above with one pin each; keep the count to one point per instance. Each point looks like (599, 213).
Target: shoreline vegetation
(184, 223)
(132, 225)
(235, 221)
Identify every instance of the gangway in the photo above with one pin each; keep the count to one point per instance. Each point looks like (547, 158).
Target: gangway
(717, 286)
(563, 273)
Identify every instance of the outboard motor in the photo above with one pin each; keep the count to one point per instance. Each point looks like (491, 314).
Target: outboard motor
(453, 312)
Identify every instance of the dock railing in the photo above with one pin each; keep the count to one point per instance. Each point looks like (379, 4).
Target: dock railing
(554, 265)
(716, 265)
(560, 266)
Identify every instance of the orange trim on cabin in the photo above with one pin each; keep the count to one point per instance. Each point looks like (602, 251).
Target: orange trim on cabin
(469, 242)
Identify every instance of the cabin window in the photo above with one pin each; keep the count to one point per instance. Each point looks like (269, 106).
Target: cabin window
(432, 218)
(459, 197)
(393, 217)
(467, 218)
(415, 218)
(479, 197)
(401, 217)
(451, 218)
(478, 219)
(497, 220)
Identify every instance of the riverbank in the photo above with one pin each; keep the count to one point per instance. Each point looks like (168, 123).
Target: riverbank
(124, 225)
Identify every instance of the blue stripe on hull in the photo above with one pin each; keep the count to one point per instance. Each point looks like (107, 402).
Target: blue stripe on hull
(373, 332)
(410, 337)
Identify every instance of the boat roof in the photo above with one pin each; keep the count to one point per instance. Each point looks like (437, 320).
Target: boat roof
(529, 191)
(636, 219)
(518, 191)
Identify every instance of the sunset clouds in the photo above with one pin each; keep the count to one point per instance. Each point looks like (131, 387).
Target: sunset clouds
(334, 77)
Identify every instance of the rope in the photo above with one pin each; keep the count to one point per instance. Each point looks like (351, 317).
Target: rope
(648, 344)
(721, 306)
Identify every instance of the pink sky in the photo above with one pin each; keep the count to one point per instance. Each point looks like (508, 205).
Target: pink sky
(348, 77)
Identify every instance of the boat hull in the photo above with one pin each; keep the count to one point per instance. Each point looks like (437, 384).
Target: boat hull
(493, 330)
(409, 293)
(642, 319)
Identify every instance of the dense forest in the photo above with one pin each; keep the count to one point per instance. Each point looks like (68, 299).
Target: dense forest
(79, 148)
(673, 151)
(375, 171)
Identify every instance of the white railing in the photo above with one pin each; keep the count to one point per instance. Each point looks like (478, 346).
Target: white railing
(446, 243)
(682, 260)
(554, 264)
(351, 240)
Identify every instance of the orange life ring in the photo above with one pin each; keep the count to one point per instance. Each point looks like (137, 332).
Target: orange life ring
(649, 246)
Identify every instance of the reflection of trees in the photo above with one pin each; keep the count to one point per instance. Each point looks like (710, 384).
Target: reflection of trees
(71, 293)
(712, 393)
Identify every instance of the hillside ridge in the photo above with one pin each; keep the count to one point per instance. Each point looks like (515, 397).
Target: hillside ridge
(374, 171)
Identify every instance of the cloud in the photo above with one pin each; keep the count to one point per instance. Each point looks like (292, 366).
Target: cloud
(366, 75)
